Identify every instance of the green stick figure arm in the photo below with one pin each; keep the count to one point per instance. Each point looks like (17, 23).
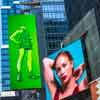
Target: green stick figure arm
(14, 36)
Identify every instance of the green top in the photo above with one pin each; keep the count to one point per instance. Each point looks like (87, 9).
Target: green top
(22, 38)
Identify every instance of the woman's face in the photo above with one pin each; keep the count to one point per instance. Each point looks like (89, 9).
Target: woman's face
(64, 68)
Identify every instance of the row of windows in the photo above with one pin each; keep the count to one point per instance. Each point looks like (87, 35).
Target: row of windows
(55, 22)
(5, 80)
(4, 55)
(54, 15)
(52, 1)
(55, 37)
(56, 26)
(5, 11)
(23, 7)
(4, 21)
(5, 31)
(4, 60)
(4, 38)
(6, 88)
(4, 50)
(25, 0)
(53, 8)
(55, 30)
(4, 63)
(5, 76)
(5, 70)
(55, 34)
(7, 2)
(5, 41)
(54, 44)
(5, 28)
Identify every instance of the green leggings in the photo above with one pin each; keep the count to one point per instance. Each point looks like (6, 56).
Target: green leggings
(20, 58)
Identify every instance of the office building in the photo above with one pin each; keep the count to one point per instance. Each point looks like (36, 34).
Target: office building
(0, 49)
(4, 62)
(55, 23)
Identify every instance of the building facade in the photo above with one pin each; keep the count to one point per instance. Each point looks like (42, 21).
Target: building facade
(55, 23)
(5, 11)
(0, 48)
(77, 9)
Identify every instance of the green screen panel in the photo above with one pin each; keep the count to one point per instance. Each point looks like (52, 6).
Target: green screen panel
(23, 51)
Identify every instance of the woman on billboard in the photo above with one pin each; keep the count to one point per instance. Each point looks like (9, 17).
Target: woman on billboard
(63, 64)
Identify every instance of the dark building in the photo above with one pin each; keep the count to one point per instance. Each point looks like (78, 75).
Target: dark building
(76, 9)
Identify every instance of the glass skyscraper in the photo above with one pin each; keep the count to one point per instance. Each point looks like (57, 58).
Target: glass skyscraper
(5, 10)
(0, 46)
(55, 23)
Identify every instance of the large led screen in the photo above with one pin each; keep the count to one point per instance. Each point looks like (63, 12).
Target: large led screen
(24, 52)
(65, 71)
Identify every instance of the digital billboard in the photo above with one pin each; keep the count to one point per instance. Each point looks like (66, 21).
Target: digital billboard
(65, 71)
(24, 52)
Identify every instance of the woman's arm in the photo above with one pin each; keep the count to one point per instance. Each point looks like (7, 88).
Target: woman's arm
(48, 75)
(78, 72)
(84, 83)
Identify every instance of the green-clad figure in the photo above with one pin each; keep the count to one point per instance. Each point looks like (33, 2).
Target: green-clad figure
(23, 39)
